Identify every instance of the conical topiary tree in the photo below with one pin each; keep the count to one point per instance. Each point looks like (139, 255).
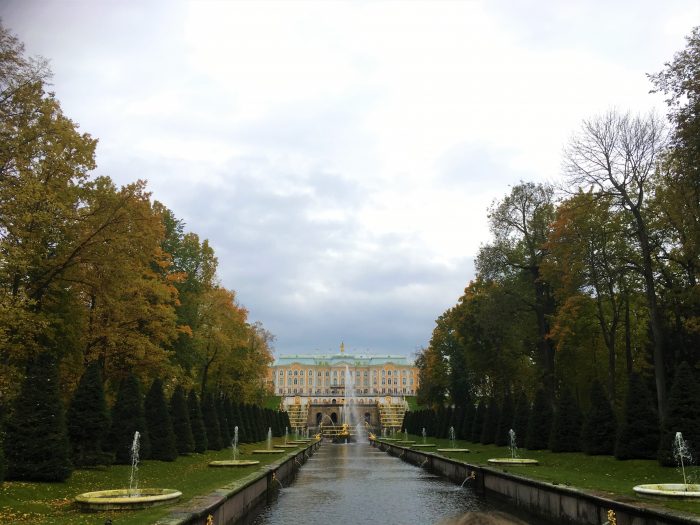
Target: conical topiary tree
(211, 423)
(199, 433)
(223, 422)
(683, 415)
(127, 419)
(3, 466)
(160, 426)
(36, 438)
(488, 432)
(638, 435)
(478, 421)
(521, 416)
(600, 424)
(180, 415)
(505, 421)
(566, 423)
(540, 423)
(88, 420)
(465, 426)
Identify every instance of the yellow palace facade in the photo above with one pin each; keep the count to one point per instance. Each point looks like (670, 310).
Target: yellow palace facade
(328, 378)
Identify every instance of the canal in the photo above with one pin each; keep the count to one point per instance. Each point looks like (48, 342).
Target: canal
(355, 483)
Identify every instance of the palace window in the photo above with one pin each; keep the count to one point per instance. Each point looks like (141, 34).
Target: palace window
(296, 372)
(388, 373)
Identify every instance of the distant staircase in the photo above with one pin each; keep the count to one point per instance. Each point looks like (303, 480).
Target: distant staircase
(391, 415)
(298, 415)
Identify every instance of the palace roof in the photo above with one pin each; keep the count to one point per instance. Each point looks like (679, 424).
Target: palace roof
(342, 360)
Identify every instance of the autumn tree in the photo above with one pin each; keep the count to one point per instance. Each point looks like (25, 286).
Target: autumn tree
(615, 156)
(519, 224)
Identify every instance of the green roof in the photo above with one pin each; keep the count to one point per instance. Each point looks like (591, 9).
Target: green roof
(342, 359)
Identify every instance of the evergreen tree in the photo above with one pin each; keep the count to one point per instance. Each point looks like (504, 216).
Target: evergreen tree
(232, 418)
(540, 423)
(211, 423)
(488, 432)
(199, 433)
(598, 433)
(521, 416)
(566, 423)
(160, 426)
(465, 428)
(638, 435)
(88, 420)
(505, 421)
(223, 422)
(478, 421)
(683, 415)
(36, 438)
(127, 419)
(180, 415)
(3, 467)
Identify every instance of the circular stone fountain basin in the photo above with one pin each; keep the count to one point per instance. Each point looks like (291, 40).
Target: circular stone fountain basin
(286, 446)
(234, 463)
(453, 450)
(423, 445)
(513, 461)
(405, 442)
(125, 499)
(269, 451)
(669, 490)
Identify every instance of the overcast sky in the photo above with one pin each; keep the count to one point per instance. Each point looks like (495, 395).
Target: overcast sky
(341, 156)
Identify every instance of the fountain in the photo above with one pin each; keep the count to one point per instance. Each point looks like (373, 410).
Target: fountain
(235, 462)
(424, 444)
(269, 449)
(513, 459)
(127, 499)
(287, 443)
(683, 490)
(405, 440)
(452, 448)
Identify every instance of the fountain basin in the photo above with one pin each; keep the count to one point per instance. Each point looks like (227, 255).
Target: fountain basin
(286, 446)
(269, 451)
(405, 442)
(423, 445)
(669, 490)
(513, 461)
(453, 450)
(125, 499)
(234, 463)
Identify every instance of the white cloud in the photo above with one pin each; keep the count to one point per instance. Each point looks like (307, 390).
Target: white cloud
(340, 156)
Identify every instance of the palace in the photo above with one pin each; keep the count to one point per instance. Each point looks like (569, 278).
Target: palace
(324, 377)
(315, 388)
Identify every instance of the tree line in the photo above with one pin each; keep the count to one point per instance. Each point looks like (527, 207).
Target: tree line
(592, 285)
(97, 275)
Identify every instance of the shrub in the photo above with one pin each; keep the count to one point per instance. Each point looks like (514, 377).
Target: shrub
(683, 415)
(638, 435)
(566, 424)
(199, 433)
(128, 418)
(540, 423)
(36, 438)
(598, 433)
(211, 423)
(505, 421)
(88, 420)
(179, 413)
(160, 426)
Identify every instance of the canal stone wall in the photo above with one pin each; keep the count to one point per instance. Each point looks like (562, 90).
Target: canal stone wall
(236, 500)
(555, 503)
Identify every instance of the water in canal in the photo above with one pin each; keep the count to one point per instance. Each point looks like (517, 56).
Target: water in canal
(357, 484)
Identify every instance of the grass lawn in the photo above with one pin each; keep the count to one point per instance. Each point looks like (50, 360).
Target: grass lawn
(601, 474)
(52, 503)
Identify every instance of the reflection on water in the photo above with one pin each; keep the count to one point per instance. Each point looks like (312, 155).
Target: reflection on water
(356, 484)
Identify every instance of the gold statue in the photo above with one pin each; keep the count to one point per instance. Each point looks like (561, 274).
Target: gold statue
(342, 348)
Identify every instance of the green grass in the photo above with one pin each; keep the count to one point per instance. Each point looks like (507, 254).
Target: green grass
(413, 403)
(52, 503)
(272, 402)
(603, 475)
